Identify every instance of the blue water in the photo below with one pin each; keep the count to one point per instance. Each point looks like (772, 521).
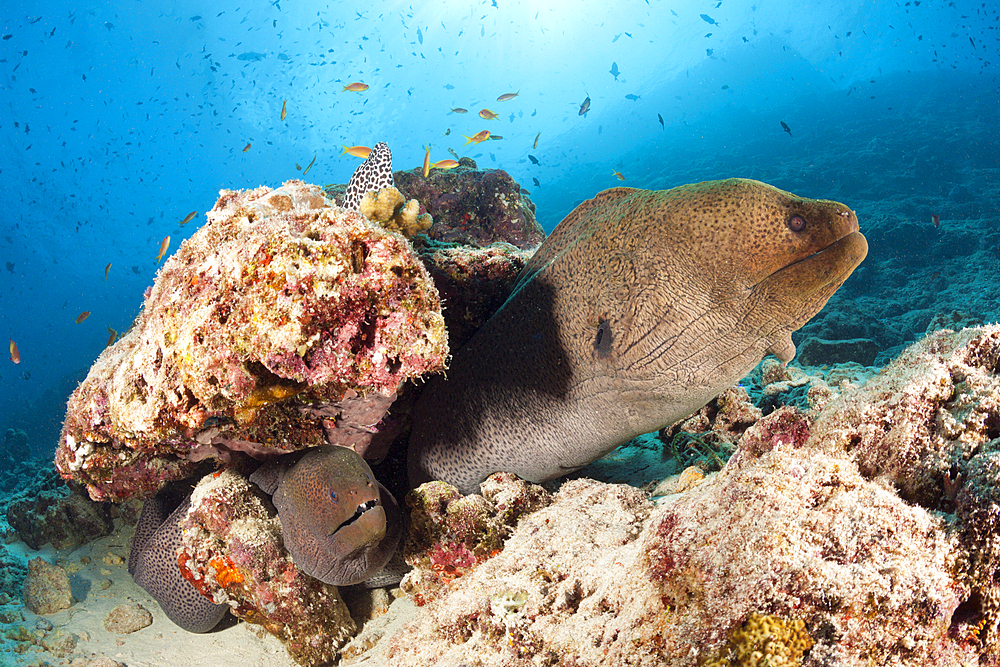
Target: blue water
(118, 119)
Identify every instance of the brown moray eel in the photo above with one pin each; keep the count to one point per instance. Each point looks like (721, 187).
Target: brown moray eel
(640, 307)
(338, 523)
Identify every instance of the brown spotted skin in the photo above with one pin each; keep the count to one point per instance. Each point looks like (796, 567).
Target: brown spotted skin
(638, 309)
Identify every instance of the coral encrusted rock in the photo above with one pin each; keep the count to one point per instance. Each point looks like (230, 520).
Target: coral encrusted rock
(233, 553)
(281, 324)
(46, 588)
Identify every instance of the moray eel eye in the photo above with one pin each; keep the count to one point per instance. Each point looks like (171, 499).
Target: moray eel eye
(333, 496)
(797, 223)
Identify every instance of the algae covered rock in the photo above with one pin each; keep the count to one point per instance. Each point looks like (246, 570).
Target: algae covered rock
(46, 589)
(281, 324)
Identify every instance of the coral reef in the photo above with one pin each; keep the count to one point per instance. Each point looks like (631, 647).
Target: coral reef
(12, 573)
(860, 532)
(281, 324)
(46, 588)
(233, 553)
(47, 510)
(14, 448)
(473, 206)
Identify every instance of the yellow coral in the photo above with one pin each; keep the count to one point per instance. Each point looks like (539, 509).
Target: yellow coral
(764, 640)
(390, 210)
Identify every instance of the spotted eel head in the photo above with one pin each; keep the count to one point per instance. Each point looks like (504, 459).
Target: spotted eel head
(374, 173)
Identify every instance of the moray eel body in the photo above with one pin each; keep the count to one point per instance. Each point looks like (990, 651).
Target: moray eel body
(152, 562)
(640, 307)
(339, 524)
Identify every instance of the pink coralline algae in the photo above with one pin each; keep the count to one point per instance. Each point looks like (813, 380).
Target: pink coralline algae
(281, 324)
(233, 553)
(863, 532)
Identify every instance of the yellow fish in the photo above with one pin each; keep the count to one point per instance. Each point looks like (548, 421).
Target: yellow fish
(486, 114)
(618, 174)
(459, 110)
(106, 269)
(112, 335)
(189, 217)
(284, 109)
(507, 96)
(477, 138)
(309, 166)
(427, 160)
(357, 151)
(445, 164)
(356, 87)
(82, 316)
(163, 248)
(535, 145)
(15, 356)
(247, 147)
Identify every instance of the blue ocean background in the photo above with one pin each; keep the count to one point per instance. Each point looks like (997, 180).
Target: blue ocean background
(119, 119)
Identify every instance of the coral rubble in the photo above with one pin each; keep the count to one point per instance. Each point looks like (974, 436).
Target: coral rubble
(281, 324)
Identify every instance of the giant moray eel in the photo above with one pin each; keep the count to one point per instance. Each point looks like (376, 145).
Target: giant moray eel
(640, 307)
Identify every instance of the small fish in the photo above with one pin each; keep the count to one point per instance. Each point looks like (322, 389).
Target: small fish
(660, 118)
(447, 132)
(112, 335)
(708, 19)
(585, 107)
(164, 244)
(106, 269)
(508, 96)
(427, 160)
(936, 221)
(477, 138)
(495, 137)
(298, 167)
(632, 97)
(533, 159)
(614, 70)
(357, 151)
(534, 146)
(537, 184)
(309, 166)
(618, 175)
(15, 356)
(445, 164)
(452, 152)
(247, 147)
(785, 127)
(459, 110)
(82, 316)
(188, 218)
(284, 109)
(356, 87)
(725, 86)
(486, 114)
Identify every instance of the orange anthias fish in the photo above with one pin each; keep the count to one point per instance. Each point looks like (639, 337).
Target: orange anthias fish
(82, 316)
(356, 87)
(247, 147)
(163, 248)
(459, 110)
(284, 109)
(15, 356)
(106, 269)
(618, 174)
(508, 96)
(445, 164)
(189, 217)
(357, 151)
(486, 114)
(477, 138)
(427, 160)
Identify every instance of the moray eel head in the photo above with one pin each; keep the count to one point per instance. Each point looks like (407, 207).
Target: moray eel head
(338, 523)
